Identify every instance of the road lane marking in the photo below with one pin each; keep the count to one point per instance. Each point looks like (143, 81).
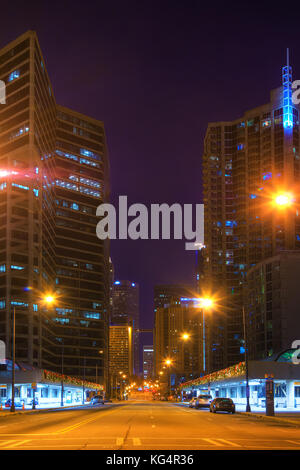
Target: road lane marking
(293, 442)
(119, 441)
(6, 442)
(211, 441)
(230, 443)
(18, 443)
(74, 426)
(137, 441)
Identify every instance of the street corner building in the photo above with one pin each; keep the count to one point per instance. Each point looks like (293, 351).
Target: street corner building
(54, 172)
(43, 387)
(231, 383)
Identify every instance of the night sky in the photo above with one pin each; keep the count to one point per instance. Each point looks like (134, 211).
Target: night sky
(156, 73)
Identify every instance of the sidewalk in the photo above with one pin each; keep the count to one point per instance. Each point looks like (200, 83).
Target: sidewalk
(38, 409)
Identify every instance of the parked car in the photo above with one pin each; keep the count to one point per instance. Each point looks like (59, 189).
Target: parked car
(203, 401)
(193, 403)
(222, 404)
(18, 403)
(97, 400)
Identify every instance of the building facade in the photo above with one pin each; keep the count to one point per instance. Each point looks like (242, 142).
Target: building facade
(179, 338)
(148, 362)
(121, 350)
(273, 299)
(246, 162)
(54, 173)
(125, 309)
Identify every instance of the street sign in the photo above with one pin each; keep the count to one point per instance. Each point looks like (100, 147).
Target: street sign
(34, 386)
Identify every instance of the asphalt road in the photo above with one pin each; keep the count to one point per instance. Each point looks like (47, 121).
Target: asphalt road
(143, 425)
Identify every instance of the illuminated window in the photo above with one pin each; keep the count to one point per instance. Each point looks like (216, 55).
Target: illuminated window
(13, 75)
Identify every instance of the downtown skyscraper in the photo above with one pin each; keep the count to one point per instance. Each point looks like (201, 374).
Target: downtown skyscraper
(126, 311)
(246, 163)
(54, 173)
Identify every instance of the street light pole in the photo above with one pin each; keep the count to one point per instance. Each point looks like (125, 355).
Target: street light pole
(248, 408)
(12, 408)
(62, 373)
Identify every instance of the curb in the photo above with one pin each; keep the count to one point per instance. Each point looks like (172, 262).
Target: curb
(21, 412)
(270, 418)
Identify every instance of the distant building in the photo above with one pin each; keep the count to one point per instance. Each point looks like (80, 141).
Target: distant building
(120, 349)
(166, 294)
(148, 362)
(125, 309)
(178, 337)
(272, 305)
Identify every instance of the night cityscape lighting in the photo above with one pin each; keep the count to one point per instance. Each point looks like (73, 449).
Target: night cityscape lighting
(150, 231)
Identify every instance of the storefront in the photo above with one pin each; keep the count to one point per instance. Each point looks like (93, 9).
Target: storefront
(231, 383)
(44, 387)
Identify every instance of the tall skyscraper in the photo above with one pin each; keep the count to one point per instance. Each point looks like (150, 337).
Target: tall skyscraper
(148, 362)
(246, 163)
(53, 175)
(178, 337)
(120, 350)
(126, 311)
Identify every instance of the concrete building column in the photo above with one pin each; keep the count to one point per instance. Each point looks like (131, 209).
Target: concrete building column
(290, 393)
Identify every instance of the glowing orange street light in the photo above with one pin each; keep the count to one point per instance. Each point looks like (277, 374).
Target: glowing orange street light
(283, 200)
(206, 302)
(49, 299)
(185, 336)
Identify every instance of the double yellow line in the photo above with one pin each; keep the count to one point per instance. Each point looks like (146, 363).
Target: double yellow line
(81, 423)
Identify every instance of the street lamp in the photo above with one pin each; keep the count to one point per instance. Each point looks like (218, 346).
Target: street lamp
(283, 200)
(206, 303)
(49, 299)
(12, 408)
(168, 363)
(248, 408)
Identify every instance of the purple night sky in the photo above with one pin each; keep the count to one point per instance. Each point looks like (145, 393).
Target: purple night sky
(156, 73)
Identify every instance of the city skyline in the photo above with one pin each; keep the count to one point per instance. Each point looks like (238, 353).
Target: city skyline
(147, 70)
(149, 229)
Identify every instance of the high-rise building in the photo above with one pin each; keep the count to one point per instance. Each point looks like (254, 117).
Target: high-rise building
(166, 294)
(120, 350)
(246, 162)
(126, 310)
(273, 298)
(148, 362)
(53, 175)
(179, 337)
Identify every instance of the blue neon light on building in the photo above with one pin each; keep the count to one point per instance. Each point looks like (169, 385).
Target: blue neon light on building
(287, 95)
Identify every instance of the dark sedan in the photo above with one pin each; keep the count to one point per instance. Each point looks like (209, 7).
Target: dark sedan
(222, 404)
(97, 400)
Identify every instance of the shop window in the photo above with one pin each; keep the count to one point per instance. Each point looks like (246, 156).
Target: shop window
(44, 393)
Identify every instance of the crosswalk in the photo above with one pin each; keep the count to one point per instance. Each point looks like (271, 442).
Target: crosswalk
(152, 443)
(13, 443)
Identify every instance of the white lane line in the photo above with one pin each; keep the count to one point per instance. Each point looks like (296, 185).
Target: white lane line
(119, 441)
(18, 443)
(136, 441)
(211, 441)
(230, 443)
